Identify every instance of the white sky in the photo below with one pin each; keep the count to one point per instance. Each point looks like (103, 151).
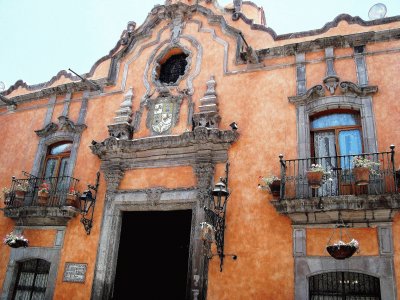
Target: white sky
(38, 38)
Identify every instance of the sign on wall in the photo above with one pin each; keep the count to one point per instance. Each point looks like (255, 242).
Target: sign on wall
(74, 272)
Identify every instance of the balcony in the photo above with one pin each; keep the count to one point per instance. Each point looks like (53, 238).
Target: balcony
(339, 196)
(27, 208)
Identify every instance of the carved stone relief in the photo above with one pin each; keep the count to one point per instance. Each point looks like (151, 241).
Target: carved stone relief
(163, 112)
(64, 125)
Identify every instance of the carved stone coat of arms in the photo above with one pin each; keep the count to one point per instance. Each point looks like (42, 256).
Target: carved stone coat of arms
(163, 113)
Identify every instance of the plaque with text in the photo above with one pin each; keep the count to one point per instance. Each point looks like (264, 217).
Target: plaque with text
(74, 272)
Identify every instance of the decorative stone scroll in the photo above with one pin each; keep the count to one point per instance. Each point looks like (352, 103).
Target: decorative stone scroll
(347, 88)
(64, 125)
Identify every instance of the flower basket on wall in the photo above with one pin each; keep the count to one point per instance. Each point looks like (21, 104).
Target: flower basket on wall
(271, 184)
(275, 187)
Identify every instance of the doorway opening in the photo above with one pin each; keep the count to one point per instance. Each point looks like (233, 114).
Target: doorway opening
(153, 255)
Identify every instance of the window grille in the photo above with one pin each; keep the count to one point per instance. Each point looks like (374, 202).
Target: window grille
(172, 68)
(31, 280)
(344, 286)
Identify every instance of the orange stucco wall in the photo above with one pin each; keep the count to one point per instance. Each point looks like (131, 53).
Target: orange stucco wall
(258, 102)
(173, 177)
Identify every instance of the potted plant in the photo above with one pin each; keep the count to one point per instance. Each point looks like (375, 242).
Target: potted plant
(271, 184)
(43, 194)
(6, 195)
(315, 175)
(362, 167)
(342, 250)
(72, 197)
(21, 189)
(15, 241)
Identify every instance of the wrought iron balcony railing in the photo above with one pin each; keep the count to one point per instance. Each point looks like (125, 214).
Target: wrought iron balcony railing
(25, 192)
(340, 180)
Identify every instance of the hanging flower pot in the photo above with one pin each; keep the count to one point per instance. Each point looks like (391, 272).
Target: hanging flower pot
(15, 241)
(362, 167)
(314, 179)
(341, 250)
(361, 175)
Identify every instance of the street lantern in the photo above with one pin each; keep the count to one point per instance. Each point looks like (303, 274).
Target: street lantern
(87, 203)
(216, 214)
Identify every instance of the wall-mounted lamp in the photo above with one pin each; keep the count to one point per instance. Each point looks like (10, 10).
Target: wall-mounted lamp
(216, 214)
(87, 202)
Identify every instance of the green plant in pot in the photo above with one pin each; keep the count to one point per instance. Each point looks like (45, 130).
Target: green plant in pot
(362, 168)
(272, 184)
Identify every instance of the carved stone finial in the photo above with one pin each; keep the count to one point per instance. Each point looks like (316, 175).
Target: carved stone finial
(208, 115)
(237, 4)
(122, 128)
(126, 34)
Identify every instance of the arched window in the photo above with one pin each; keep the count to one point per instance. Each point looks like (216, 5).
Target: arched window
(344, 286)
(336, 133)
(57, 160)
(31, 282)
(172, 66)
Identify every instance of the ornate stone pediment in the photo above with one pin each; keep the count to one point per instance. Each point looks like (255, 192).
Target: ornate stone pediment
(64, 125)
(215, 138)
(347, 88)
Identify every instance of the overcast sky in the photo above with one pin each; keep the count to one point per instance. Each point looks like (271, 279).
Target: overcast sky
(38, 38)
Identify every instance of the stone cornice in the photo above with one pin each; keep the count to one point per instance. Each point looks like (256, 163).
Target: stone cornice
(352, 209)
(47, 92)
(41, 216)
(338, 41)
(189, 148)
